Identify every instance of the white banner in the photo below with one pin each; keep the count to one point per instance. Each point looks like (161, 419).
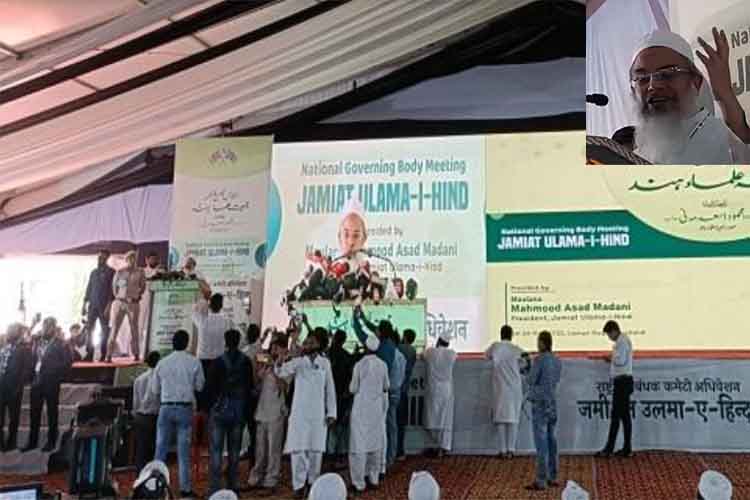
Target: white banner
(219, 216)
(693, 405)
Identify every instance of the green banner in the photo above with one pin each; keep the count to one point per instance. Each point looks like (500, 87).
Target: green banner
(171, 310)
(592, 235)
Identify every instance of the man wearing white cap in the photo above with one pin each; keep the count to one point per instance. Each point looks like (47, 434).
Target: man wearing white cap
(370, 388)
(128, 286)
(674, 107)
(507, 393)
(313, 411)
(439, 398)
(328, 487)
(714, 486)
(224, 495)
(423, 487)
(573, 491)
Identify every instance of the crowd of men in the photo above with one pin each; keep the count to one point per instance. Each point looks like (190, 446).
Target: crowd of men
(304, 399)
(314, 399)
(308, 400)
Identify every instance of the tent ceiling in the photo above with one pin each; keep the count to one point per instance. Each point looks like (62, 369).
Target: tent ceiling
(333, 46)
(55, 140)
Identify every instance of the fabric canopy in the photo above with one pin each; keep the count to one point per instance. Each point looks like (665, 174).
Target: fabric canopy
(138, 216)
(525, 90)
(333, 47)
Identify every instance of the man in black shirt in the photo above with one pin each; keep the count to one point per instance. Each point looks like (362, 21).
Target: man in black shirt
(51, 361)
(15, 371)
(342, 365)
(98, 298)
(229, 388)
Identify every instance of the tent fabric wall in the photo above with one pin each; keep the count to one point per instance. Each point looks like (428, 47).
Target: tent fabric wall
(137, 216)
(483, 93)
(612, 34)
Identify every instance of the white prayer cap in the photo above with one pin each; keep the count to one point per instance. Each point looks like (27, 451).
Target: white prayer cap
(372, 343)
(714, 486)
(353, 206)
(573, 491)
(444, 335)
(328, 487)
(224, 495)
(670, 40)
(664, 38)
(423, 487)
(154, 465)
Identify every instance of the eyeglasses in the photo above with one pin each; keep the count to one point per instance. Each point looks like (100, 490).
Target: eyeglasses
(665, 75)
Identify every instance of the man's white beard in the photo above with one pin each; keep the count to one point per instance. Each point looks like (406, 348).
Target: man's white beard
(661, 138)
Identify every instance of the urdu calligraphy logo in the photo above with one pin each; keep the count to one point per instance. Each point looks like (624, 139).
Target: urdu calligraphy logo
(693, 203)
(222, 156)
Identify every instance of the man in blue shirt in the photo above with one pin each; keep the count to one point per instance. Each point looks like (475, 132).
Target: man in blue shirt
(407, 349)
(543, 381)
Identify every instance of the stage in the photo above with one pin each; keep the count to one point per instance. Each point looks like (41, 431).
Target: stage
(120, 373)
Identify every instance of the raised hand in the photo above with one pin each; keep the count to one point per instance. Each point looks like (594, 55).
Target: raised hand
(716, 62)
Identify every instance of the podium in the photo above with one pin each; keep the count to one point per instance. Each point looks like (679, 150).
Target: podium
(402, 314)
(605, 151)
(171, 309)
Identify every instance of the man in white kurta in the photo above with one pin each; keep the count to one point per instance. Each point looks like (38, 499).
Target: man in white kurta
(367, 425)
(507, 391)
(673, 108)
(313, 410)
(153, 267)
(439, 397)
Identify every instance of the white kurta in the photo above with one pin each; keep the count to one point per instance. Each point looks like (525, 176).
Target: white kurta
(370, 388)
(712, 143)
(507, 391)
(439, 397)
(314, 401)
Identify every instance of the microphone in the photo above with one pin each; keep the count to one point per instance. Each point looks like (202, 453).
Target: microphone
(597, 99)
(372, 254)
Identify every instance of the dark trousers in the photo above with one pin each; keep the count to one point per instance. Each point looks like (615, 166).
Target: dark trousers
(40, 395)
(145, 439)
(252, 426)
(232, 436)
(10, 402)
(621, 412)
(93, 316)
(403, 420)
(202, 398)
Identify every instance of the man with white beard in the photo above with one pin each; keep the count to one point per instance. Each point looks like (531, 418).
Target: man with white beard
(674, 108)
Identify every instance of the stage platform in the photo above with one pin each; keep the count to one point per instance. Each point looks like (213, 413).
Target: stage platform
(120, 373)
